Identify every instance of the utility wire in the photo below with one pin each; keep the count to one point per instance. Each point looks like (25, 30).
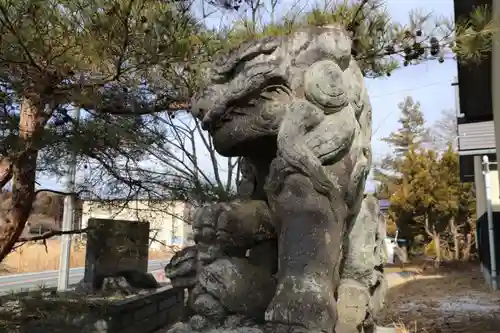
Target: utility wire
(400, 91)
(410, 89)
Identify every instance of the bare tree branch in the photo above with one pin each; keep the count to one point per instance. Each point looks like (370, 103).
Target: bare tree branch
(52, 233)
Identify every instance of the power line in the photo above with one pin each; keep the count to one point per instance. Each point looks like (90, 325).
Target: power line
(411, 89)
(399, 91)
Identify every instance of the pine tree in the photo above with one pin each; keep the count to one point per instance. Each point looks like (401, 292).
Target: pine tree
(111, 58)
(430, 201)
(411, 196)
(475, 34)
(380, 45)
(412, 134)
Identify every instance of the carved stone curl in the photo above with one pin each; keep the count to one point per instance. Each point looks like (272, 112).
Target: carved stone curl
(302, 249)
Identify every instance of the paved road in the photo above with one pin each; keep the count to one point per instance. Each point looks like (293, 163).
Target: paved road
(29, 281)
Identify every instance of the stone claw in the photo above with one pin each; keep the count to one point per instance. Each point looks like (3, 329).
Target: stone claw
(227, 226)
(182, 268)
(205, 223)
(306, 302)
(353, 303)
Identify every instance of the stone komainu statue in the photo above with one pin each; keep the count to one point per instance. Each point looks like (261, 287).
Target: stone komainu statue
(301, 250)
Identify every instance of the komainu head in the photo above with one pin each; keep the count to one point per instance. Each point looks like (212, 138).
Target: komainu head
(293, 103)
(245, 98)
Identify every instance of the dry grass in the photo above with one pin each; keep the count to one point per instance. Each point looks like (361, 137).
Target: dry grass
(452, 299)
(37, 258)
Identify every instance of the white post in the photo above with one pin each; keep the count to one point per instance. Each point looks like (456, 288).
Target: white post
(456, 142)
(67, 222)
(491, 235)
(457, 98)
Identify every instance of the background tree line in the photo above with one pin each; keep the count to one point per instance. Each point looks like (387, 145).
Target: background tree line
(131, 66)
(428, 202)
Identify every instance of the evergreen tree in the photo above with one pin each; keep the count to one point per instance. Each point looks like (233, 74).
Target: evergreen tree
(110, 58)
(124, 60)
(411, 195)
(430, 201)
(475, 34)
(380, 44)
(412, 134)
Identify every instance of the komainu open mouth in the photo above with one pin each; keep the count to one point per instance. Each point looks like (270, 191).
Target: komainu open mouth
(247, 102)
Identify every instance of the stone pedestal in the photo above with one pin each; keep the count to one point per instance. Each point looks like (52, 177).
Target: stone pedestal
(115, 246)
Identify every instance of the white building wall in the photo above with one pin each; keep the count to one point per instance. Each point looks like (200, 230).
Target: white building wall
(495, 190)
(166, 219)
(480, 187)
(481, 190)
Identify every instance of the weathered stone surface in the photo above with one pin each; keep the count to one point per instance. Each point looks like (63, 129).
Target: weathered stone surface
(238, 330)
(128, 280)
(241, 287)
(184, 328)
(353, 300)
(138, 279)
(237, 224)
(265, 255)
(181, 270)
(115, 246)
(362, 287)
(221, 230)
(296, 109)
(175, 266)
(208, 306)
(180, 328)
(125, 282)
(198, 322)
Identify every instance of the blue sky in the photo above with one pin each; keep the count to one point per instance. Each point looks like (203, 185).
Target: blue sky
(429, 83)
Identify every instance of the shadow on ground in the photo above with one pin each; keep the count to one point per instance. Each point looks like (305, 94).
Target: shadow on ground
(452, 299)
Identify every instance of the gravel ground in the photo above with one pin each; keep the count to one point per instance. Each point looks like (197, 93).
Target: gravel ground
(442, 301)
(434, 301)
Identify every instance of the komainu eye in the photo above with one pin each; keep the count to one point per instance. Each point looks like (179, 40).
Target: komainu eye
(324, 86)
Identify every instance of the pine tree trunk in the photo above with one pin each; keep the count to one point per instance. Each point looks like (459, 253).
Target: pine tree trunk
(31, 123)
(5, 171)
